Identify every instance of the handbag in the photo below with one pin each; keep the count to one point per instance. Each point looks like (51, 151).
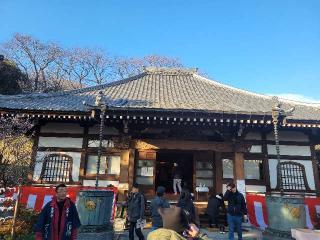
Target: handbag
(141, 223)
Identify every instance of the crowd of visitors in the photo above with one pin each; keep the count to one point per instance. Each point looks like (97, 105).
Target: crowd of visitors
(59, 218)
(180, 221)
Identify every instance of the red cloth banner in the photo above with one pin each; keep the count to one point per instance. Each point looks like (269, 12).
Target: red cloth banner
(255, 217)
(35, 197)
(313, 204)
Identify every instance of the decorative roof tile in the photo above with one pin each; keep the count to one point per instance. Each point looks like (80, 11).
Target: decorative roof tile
(165, 90)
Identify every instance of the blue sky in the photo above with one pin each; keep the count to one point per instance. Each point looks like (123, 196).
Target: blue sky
(264, 46)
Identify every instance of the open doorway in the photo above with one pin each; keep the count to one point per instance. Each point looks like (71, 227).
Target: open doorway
(164, 167)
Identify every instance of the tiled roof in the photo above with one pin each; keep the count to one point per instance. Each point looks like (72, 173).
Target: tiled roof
(165, 90)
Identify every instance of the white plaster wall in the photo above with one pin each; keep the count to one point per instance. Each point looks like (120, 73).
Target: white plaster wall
(256, 149)
(61, 128)
(102, 183)
(308, 167)
(253, 136)
(290, 150)
(75, 164)
(108, 130)
(294, 136)
(63, 142)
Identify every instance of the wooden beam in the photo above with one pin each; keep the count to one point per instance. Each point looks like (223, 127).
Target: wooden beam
(155, 144)
(271, 142)
(291, 157)
(59, 149)
(109, 177)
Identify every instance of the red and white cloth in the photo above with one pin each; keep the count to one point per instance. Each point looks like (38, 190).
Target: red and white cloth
(36, 197)
(257, 210)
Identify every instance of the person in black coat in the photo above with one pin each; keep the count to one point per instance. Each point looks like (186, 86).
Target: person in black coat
(136, 208)
(185, 203)
(236, 210)
(59, 218)
(215, 204)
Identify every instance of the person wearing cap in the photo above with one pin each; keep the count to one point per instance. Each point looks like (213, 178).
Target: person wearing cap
(236, 210)
(177, 178)
(215, 202)
(158, 202)
(136, 208)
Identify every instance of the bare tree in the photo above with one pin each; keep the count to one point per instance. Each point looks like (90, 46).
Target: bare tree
(84, 66)
(15, 149)
(78, 67)
(126, 67)
(33, 57)
(100, 65)
(49, 67)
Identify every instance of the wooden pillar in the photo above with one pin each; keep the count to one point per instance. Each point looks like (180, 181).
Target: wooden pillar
(315, 169)
(131, 167)
(218, 172)
(239, 166)
(239, 172)
(124, 175)
(84, 152)
(35, 140)
(124, 166)
(266, 171)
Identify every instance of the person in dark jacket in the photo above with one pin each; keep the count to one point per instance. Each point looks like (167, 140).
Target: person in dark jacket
(185, 203)
(215, 203)
(236, 210)
(177, 178)
(59, 219)
(158, 202)
(136, 208)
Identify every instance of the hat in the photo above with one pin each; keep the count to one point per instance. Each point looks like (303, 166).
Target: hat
(135, 185)
(161, 190)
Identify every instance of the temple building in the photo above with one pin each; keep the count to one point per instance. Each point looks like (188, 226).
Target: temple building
(214, 132)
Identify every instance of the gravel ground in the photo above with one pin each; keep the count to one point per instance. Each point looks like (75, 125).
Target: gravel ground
(252, 234)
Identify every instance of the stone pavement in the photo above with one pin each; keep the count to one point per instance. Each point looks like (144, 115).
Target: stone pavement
(251, 234)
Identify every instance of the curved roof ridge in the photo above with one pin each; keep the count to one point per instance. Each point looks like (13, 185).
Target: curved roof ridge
(311, 104)
(170, 70)
(231, 87)
(269, 97)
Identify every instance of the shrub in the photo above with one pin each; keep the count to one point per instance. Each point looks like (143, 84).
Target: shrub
(25, 222)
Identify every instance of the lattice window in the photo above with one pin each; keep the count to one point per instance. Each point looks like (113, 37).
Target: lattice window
(57, 168)
(293, 176)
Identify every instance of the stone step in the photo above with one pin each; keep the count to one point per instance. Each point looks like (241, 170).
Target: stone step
(96, 236)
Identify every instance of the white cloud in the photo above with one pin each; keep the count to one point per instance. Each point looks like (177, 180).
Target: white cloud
(296, 97)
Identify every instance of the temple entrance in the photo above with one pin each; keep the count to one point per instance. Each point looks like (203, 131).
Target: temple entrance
(164, 169)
